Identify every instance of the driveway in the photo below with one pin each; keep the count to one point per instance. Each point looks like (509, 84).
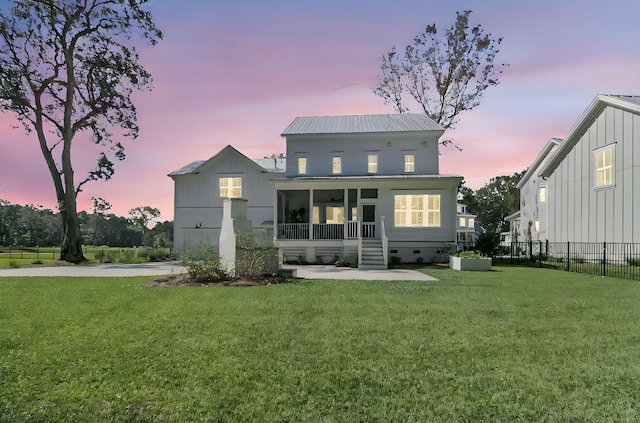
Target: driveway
(102, 270)
(169, 268)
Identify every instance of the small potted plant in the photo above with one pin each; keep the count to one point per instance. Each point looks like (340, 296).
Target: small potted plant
(469, 260)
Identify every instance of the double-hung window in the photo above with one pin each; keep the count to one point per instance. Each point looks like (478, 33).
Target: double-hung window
(372, 163)
(417, 210)
(409, 163)
(604, 166)
(337, 164)
(231, 187)
(542, 195)
(302, 165)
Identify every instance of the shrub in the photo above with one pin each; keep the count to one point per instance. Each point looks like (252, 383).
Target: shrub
(36, 262)
(14, 264)
(488, 243)
(127, 255)
(469, 254)
(633, 261)
(253, 260)
(419, 260)
(348, 261)
(202, 264)
(395, 260)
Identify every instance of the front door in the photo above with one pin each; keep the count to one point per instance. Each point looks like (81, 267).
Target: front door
(368, 220)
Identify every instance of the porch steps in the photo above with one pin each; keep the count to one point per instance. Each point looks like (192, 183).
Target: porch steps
(372, 255)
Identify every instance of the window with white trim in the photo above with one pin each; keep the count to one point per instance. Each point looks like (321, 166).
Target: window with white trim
(372, 163)
(604, 166)
(337, 164)
(536, 225)
(231, 187)
(416, 210)
(542, 194)
(462, 222)
(302, 165)
(409, 163)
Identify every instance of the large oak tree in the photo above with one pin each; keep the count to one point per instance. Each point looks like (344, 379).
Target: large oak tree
(67, 71)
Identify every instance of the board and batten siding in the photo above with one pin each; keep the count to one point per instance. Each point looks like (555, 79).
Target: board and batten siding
(354, 150)
(198, 201)
(578, 212)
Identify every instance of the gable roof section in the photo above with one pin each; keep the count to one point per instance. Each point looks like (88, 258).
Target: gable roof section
(403, 122)
(544, 155)
(625, 102)
(265, 165)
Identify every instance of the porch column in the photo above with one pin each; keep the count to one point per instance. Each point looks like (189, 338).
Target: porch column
(310, 219)
(275, 215)
(345, 220)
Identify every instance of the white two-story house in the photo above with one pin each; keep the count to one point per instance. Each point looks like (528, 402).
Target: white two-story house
(356, 188)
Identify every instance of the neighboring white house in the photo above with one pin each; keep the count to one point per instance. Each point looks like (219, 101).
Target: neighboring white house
(467, 230)
(593, 177)
(530, 222)
(360, 187)
(202, 186)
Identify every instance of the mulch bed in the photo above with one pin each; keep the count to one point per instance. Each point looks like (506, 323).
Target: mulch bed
(185, 280)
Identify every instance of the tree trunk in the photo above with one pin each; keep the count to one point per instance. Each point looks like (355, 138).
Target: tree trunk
(71, 249)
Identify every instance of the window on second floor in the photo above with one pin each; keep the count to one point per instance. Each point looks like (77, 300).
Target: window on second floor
(302, 165)
(542, 195)
(409, 163)
(337, 164)
(372, 163)
(231, 187)
(462, 222)
(604, 166)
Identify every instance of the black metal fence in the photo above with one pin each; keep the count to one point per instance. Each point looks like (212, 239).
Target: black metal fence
(53, 253)
(619, 260)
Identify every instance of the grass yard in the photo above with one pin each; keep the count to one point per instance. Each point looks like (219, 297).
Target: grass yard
(516, 344)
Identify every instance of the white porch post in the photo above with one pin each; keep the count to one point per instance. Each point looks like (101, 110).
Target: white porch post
(275, 216)
(310, 213)
(345, 213)
(311, 252)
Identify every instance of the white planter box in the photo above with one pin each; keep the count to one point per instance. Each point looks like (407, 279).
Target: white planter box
(473, 264)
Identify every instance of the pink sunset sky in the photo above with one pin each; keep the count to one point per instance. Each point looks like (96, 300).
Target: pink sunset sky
(238, 72)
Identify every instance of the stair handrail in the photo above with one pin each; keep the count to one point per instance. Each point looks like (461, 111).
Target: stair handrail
(385, 242)
(359, 241)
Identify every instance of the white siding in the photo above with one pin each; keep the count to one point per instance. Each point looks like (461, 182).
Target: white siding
(579, 212)
(354, 150)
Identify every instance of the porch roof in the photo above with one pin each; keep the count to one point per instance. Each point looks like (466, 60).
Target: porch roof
(368, 178)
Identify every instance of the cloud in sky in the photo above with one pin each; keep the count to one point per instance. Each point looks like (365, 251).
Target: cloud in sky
(239, 72)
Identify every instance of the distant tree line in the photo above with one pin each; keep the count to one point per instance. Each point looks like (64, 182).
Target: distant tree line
(31, 225)
(492, 203)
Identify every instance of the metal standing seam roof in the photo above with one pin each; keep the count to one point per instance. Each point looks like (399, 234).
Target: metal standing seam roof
(404, 122)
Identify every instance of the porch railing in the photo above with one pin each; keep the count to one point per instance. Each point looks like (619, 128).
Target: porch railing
(352, 230)
(293, 231)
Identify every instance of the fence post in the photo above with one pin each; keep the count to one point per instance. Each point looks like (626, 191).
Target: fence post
(540, 253)
(22, 251)
(568, 256)
(604, 258)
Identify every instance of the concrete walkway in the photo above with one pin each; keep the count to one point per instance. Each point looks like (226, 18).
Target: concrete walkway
(333, 272)
(167, 268)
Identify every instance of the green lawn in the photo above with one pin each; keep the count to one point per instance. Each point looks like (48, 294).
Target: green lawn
(515, 344)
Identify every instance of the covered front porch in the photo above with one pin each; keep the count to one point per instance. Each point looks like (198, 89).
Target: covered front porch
(330, 222)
